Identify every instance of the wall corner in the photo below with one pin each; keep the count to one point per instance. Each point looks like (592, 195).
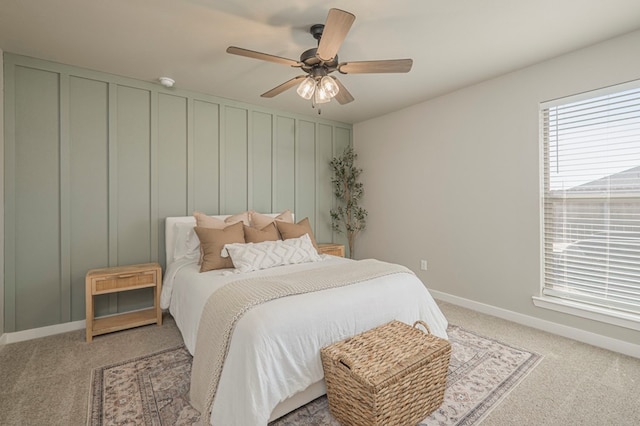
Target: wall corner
(1, 194)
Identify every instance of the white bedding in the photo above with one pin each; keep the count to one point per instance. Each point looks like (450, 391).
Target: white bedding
(275, 349)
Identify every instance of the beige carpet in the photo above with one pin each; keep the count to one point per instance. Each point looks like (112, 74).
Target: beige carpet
(46, 381)
(154, 389)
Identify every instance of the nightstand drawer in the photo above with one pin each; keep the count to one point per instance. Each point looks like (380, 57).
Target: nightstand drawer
(332, 249)
(125, 281)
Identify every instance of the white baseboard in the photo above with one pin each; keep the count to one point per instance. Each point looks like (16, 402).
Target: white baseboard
(34, 333)
(588, 337)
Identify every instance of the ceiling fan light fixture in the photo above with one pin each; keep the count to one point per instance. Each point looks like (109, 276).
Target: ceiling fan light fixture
(329, 86)
(306, 88)
(321, 96)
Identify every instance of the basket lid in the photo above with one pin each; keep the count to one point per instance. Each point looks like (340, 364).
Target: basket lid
(386, 353)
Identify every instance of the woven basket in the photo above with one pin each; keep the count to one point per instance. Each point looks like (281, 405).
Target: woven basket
(393, 374)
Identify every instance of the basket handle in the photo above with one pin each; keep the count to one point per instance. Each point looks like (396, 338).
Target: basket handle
(424, 324)
(346, 362)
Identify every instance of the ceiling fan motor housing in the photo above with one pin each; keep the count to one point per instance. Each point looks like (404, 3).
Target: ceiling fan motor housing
(314, 65)
(310, 61)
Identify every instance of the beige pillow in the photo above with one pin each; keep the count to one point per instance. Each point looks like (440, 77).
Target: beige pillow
(204, 221)
(268, 233)
(259, 220)
(240, 217)
(296, 230)
(213, 240)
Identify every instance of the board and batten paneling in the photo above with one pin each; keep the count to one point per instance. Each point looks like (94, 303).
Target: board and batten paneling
(204, 157)
(233, 150)
(36, 203)
(89, 198)
(305, 200)
(284, 164)
(261, 167)
(324, 190)
(95, 162)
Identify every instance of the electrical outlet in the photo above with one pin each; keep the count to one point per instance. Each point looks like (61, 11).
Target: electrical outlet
(423, 265)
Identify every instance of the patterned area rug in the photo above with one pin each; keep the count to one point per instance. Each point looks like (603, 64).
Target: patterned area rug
(153, 390)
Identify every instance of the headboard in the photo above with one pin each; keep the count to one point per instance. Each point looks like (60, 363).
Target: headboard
(169, 231)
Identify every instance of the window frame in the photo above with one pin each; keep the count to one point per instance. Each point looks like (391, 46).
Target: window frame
(574, 307)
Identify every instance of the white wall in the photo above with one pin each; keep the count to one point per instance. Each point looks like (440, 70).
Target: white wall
(455, 181)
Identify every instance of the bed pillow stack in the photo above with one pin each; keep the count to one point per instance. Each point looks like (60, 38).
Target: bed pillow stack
(253, 237)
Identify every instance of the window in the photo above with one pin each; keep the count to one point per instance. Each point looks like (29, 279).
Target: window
(591, 200)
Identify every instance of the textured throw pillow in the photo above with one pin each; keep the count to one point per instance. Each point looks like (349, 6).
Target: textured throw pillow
(268, 233)
(213, 240)
(254, 256)
(295, 230)
(259, 220)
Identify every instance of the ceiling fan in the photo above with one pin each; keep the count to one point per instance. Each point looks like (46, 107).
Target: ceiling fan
(319, 62)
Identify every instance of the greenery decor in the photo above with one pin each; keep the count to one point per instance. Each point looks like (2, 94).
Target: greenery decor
(348, 216)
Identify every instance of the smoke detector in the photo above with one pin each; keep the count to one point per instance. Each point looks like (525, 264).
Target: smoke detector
(167, 82)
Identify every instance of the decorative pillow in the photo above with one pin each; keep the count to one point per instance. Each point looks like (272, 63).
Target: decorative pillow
(295, 230)
(259, 220)
(240, 217)
(204, 221)
(187, 244)
(268, 233)
(254, 256)
(213, 240)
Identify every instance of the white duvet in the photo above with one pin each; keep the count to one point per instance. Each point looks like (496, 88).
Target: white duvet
(275, 349)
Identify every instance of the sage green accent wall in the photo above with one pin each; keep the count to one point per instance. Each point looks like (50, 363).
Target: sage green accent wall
(88, 207)
(261, 167)
(93, 163)
(204, 155)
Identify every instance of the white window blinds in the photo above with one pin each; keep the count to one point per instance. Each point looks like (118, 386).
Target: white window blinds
(591, 198)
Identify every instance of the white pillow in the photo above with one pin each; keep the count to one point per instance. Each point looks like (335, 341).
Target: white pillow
(254, 256)
(187, 244)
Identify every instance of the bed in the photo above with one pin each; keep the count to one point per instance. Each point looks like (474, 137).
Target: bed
(273, 363)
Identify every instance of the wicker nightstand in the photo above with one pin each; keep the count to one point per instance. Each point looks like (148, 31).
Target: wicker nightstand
(331, 248)
(117, 279)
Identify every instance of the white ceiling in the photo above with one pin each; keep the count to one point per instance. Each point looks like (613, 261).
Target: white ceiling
(453, 43)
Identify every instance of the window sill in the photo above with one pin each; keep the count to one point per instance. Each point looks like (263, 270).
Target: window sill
(622, 319)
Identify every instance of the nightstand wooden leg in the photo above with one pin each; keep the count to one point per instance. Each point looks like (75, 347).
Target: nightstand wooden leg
(89, 309)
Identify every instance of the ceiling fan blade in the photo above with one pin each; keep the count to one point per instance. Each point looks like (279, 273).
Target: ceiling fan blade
(343, 96)
(284, 86)
(336, 27)
(364, 67)
(262, 56)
